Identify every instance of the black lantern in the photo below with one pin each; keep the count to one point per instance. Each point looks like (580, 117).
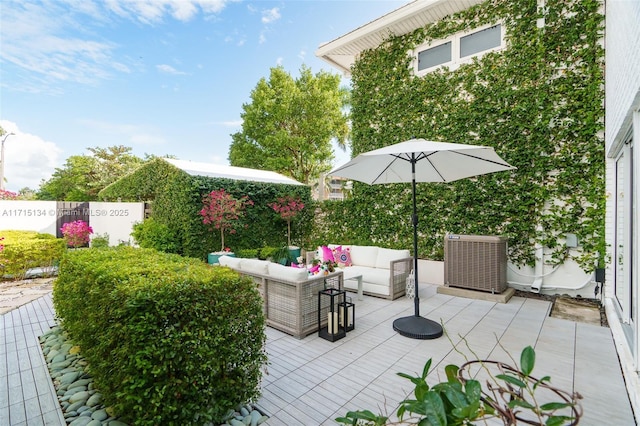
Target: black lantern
(347, 312)
(329, 301)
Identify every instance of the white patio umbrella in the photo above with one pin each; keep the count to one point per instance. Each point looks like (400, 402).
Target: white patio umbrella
(420, 160)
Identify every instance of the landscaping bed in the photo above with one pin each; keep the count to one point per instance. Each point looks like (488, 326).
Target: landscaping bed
(571, 308)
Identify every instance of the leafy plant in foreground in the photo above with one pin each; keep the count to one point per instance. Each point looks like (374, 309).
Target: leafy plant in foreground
(512, 395)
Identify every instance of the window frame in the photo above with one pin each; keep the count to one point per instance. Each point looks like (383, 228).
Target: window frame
(456, 60)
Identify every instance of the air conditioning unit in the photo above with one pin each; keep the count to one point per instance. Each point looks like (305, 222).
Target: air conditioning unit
(476, 262)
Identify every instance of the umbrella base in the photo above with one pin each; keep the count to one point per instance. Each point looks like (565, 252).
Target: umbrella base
(416, 327)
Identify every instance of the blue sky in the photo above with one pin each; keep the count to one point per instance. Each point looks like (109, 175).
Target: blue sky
(159, 76)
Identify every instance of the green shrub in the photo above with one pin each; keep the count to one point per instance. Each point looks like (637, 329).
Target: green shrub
(152, 234)
(169, 340)
(24, 250)
(100, 241)
(248, 253)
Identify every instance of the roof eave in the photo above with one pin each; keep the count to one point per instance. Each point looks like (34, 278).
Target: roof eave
(343, 51)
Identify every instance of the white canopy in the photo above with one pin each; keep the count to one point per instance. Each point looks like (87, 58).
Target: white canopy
(230, 172)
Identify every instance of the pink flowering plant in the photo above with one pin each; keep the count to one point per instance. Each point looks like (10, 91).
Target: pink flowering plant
(8, 195)
(288, 208)
(223, 211)
(76, 233)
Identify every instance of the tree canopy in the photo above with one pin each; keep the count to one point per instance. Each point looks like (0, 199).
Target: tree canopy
(290, 123)
(83, 176)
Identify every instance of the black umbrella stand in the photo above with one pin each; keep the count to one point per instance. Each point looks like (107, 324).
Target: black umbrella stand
(415, 326)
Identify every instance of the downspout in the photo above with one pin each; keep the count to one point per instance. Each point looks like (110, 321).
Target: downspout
(536, 286)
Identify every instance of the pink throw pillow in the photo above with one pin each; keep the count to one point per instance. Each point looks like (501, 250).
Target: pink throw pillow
(327, 254)
(343, 257)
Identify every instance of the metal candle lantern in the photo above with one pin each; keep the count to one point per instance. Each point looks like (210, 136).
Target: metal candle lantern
(332, 298)
(347, 312)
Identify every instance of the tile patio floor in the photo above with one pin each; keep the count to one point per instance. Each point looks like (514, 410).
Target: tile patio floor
(312, 381)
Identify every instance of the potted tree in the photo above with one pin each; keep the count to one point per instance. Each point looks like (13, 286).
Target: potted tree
(223, 211)
(288, 208)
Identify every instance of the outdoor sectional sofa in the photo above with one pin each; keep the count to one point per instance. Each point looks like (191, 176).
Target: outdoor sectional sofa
(384, 271)
(290, 295)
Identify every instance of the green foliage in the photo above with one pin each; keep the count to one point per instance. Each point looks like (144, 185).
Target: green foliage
(83, 176)
(143, 184)
(168, 340)
(539, 103)
(510, 396)
(177, 200)
(100, 241)
(24, 250)
(154, 235)
(289, 124)
(248, 253)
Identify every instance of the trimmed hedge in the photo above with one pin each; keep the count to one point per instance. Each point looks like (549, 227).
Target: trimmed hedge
(24, 250)
(169, 340)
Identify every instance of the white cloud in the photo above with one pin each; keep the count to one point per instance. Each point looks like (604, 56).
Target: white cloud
(270, 15)
(168, 69)
(39, 54)
(302, 54)
(235, 123)
(29, 158)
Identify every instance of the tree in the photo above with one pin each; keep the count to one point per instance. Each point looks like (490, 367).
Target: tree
(289, 124)
(83, 176)
(223, 211)
(288, 208)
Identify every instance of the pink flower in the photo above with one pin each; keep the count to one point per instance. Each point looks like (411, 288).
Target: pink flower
(8, 195)
(76, 233)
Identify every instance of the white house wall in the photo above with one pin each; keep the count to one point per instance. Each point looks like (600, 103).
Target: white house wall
(37, 216)
(115, 219)
(622, 124)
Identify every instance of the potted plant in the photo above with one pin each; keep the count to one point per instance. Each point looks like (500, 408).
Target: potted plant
(223, 211)
(288, 208)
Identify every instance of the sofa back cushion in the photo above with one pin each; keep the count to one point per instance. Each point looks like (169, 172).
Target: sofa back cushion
(254, 266)
(365, 256)
(385, 256)
(287, 273)
(231, 262)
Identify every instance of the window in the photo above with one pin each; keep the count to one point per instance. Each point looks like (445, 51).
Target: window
(458, 49)
(479, 42)
(434, 56)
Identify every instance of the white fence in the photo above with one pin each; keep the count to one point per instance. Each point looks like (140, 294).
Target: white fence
(114, 219)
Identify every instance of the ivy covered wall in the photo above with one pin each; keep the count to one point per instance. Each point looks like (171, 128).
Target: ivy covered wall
(539, 103)
(177, 199)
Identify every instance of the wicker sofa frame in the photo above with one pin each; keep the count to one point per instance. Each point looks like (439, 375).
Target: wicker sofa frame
(292, 306)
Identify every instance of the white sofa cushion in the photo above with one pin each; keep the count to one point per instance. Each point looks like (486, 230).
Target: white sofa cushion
(369, 275)
(364, 256)
(287, 273)
(385, 256)
(374, 280)
(230, 261)
(255, 266)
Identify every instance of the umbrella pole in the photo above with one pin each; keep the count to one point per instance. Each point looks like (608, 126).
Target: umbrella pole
(416, 300)
(415, 326)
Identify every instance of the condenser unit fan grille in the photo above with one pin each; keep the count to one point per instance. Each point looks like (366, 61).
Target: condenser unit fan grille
(476, 262)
